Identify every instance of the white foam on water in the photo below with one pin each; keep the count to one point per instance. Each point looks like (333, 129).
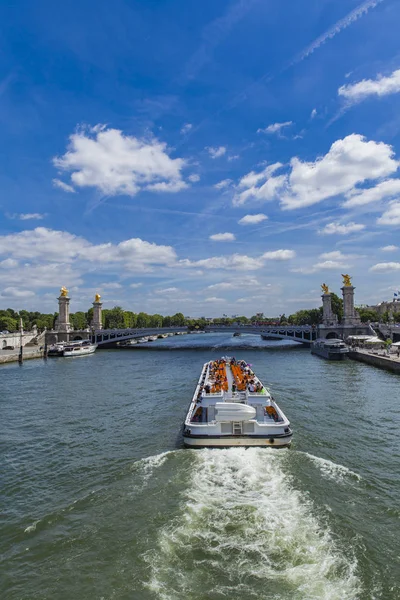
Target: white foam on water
(32, 528)
(331, 470)
(245, 532)
(146, 467)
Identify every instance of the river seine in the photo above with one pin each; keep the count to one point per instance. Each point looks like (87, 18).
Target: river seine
(100, 501)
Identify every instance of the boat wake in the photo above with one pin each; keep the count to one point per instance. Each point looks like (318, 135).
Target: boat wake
(245, 532)
(331, 470)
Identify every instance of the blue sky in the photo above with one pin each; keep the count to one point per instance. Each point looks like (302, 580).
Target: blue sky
(209, 158)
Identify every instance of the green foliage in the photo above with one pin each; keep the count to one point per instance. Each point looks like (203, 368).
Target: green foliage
(114, 318)
(178, 320)
(337, 306)
(143, 320)
(8, 323)
(306, 317)
(367, 314)
(78, 320)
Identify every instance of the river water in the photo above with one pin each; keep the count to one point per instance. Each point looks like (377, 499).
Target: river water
(100, 501)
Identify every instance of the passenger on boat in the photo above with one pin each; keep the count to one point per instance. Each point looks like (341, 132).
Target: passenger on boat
(207, 388)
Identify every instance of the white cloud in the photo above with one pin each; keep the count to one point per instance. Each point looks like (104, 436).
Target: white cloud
(330, 33)
(222, 237)
(12, 292)
(313, 113)
(194, 178)
(63, 247)
(110, 286)
(382, 86)
(168, 291)
(214, 299)
(115, 163)
(260, 186)
(279, 255)
(216, 152)
(239, 262)
(341, 229)
(252, 219)
(186, 128)
(135, 285)
(389, 248)
(386, 267)
(329, 261)
(233, 157)
(275, 127)
(64, 186)
(384, 189)
(250, 282)
(26, 216)
(8, 263)
(223, 184)
(349, 162)
(391, 216)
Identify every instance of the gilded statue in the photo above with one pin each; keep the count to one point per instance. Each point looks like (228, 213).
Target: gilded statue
(97, 298)
(325, 288)
(64, 292)
(346, 280)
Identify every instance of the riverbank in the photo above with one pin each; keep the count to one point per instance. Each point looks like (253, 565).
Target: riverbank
(376, 359)
(9, 356)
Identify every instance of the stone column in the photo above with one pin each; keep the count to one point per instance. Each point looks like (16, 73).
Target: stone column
(328, 317)
(63, 323)
(97, 306)
(350, 316)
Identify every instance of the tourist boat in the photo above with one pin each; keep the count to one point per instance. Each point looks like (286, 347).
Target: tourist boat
(81, 349)
(231, 407)
(332, 349)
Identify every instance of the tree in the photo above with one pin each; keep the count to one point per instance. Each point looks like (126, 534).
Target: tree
(337, 306)
(178, 320)
(8, 323)
(143, 320)
(367, 314)
(156, 321)
(166, 322)
(114, 318)
(78, 320)
(130, 319)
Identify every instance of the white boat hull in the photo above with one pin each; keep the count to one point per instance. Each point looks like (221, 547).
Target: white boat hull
(245, 441)
(80, 351)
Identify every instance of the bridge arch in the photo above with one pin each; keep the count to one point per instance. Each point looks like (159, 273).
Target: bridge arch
(4, 344)
(332, 335)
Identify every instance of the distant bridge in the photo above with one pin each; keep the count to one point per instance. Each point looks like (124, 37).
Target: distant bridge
(304, 334)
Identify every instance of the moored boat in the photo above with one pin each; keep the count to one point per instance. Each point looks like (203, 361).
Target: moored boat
(81, 349)
(231, 407)
(56, 349)
(331, 349)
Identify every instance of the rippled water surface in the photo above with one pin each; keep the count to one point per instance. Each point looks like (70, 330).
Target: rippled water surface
(100, 501)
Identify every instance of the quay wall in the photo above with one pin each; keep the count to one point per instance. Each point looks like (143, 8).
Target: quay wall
(382, 362)
(12, 356)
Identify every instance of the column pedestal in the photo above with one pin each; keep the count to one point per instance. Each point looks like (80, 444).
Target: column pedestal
(350, 315)
(63, 323)
(96, 323)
